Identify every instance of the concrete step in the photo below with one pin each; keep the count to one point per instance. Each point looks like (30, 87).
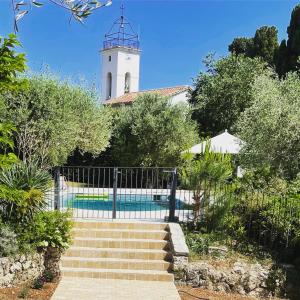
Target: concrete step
(115, 263)
(146, 254)
(121, 243)
(147, 275)
(121, 233)
(120, 225)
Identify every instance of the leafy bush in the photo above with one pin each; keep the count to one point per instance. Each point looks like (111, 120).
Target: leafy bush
(198, 243)
(18, 205)
(24, 176)
(22, 191)
(8, 241)
(38, 283)
(48, 229)
(48, 276)
(206, 176)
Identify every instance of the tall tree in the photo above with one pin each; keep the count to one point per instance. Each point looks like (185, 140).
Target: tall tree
(271, 126)
(241, 45)
(264, 44)
(293, 42)
(152, 132)
(223, 92)
(54, 118)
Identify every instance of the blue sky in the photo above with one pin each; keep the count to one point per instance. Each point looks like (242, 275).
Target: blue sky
(175, 35)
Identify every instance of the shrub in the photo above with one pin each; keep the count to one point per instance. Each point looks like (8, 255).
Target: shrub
(48, 276)
(48, 229)
(38, 283)
(26, 176)
(8, 241)
(22, 190)
(19, 206)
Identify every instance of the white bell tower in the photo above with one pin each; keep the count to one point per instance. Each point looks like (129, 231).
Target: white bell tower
(120, 60)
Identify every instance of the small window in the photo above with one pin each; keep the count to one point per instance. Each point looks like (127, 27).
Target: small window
(127, 83)
(109, 58)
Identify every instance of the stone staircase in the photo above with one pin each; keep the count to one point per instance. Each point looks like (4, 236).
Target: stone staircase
(119, 250)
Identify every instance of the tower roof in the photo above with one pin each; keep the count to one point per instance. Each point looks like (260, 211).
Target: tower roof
(121, 34)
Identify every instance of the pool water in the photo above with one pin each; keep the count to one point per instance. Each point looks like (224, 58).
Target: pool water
(132, 202)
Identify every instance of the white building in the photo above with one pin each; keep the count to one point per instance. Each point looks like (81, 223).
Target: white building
(121, 68)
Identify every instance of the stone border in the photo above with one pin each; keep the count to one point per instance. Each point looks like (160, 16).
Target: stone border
(20, 268)
(180, 250)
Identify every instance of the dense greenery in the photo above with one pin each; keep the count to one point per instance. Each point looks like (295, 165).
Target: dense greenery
(265, 45)
(152, 132)
(54, 118)
(11, 64)
(223, 92)
(48, 229)
(271, 126)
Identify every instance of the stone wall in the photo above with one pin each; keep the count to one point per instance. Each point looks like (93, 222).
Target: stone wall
(20, 269)
(244, 278)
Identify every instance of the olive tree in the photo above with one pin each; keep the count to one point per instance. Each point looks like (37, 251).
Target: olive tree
(223, 92)
(152, 132)
(54, 118)
(271, 125)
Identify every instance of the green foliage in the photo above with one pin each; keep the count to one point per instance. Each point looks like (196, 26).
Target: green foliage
(48, 229)
(264, 44)
(222, 93)
(7, 144)
(271, 126)
(54, 118)
(241, 45)
(152, 132)
(19, 205)
(26, 176)
(79, 9)
(198, 243)
(11, 64)
(293, 42)
(8, 241)
(38, 283)
(204, 176)
(48, 276)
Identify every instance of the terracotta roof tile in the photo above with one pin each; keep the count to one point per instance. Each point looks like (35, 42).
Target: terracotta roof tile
(130, 97)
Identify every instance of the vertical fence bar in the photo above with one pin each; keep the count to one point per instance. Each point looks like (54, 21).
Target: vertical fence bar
(57, 188)
(115, 187)
(172, 202)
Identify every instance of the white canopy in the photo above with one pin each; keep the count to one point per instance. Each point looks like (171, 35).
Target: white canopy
(222, 143)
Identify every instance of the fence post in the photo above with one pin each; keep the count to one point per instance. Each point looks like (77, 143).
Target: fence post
(57, 188)
(172, 203)
(115, 187)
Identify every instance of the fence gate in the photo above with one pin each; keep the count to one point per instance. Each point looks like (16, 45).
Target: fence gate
(122, 193)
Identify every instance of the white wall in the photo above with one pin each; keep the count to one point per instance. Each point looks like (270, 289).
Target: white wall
(180, 98)
(123, 60)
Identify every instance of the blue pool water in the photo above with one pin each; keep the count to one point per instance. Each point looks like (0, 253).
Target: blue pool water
(133, 202)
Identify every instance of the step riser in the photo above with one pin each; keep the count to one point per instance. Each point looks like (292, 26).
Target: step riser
(117, 265)
(111, 225)
(124, 235)
(157, 245)
(124, 276)
(115, 254)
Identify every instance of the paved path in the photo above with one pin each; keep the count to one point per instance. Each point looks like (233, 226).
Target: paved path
(71, 288)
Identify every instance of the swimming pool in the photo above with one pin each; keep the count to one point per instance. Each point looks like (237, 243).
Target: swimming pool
(128, 202)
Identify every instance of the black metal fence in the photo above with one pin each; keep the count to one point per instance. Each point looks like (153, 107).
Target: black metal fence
(266, 217)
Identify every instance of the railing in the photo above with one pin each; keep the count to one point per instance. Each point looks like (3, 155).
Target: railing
(128, 193)
(265, 217)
